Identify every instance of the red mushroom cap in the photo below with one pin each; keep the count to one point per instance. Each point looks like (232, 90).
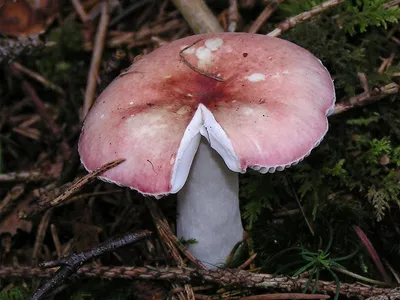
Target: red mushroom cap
(261, 102)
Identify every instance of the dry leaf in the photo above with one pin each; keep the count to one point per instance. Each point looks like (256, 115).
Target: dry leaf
(12, 222)
(20, 18)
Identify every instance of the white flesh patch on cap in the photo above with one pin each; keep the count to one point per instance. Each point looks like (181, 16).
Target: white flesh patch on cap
(256, 77)
(202, 123)
(205, 57)
(214, 44)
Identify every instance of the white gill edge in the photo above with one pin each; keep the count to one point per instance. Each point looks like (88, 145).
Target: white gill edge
(202, 124)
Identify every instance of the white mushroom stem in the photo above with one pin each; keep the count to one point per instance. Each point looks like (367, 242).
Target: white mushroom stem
(208, 208)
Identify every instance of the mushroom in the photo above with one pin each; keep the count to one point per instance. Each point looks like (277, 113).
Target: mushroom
(191, 115)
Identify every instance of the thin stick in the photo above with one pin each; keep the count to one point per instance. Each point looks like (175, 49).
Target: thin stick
(247, 262)
(70, 264)
(26, 176)
(56, 240)
(41, 232)
(96, 59)
(293, 21)
(264, 16)
(80, 10)
(285, 296)
(186, 62)
(223, 277)
(391, 4)
(39, 78)
(72, 188)
(169, 238)
(299, 204)
(199, 17)
(233, 15)
(366, 98)
(41, 109)
(84, 180)
(391, 295)
(10, 200)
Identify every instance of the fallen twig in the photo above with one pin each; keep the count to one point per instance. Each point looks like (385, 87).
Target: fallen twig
(199, 17)
(286, 296)
(366, 98)
(47, 83)
(224, 277)
(51, 124)
(71, 189)
(11, 49)
(293, 21)
(80, 10)
(264, 16)
(26, 176)
(233, 15)
(41, 232)
(166, 232)
(10, 200)
(96, 59)
(70, 264)
(390, 295)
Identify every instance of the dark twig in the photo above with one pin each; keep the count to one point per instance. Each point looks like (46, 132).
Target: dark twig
(186, 62)
(223, 277)
(70, 264)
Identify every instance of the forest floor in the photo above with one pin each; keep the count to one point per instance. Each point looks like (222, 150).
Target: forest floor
(328, 228)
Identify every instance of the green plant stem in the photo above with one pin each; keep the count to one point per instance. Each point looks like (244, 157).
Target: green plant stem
(359, 277)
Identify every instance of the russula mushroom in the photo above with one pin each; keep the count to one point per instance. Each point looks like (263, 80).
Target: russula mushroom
(233, 100)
